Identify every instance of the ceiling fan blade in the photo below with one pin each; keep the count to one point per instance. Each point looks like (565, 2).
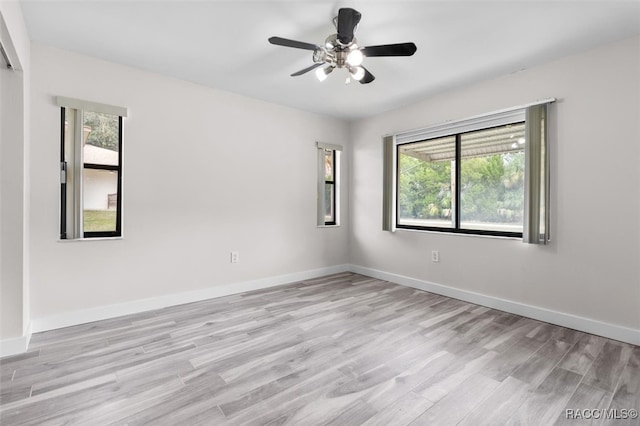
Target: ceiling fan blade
(399, 49)
(348, 19)
(307, 69)
(368, 77)
(292, 43)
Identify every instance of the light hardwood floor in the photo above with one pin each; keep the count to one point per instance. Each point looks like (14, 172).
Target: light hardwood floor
(343, 349)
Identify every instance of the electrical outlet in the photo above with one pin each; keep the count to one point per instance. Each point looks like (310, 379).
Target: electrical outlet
(435, 256)
(235, 256)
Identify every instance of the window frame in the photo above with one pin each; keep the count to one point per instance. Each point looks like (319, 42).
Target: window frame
(537, 116)
(79, 112)
(456, 229)
(336, 182)
(333, 183)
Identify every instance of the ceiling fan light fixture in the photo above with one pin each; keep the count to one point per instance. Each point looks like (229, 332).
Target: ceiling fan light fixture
(322, 73)
(355, 57)
(319, 55)
(357, 73)
(331, 41)
(341, 50)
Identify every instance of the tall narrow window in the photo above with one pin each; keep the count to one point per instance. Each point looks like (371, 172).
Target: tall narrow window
(328, 184)
(329, 187)
(485, 175)
(91, 170)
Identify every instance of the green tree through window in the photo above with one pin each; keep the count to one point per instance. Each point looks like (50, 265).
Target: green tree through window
(490, 196)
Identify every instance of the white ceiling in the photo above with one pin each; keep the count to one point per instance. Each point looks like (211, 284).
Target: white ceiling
(223, 44)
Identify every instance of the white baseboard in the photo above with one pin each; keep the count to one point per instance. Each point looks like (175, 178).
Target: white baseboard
(20, 344)
(15, 345)
(83, 316)
(587, 325)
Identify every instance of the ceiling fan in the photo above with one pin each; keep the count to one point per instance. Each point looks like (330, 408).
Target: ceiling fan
(341, 50)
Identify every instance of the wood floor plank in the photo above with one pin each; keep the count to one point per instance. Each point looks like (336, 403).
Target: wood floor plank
(540, 364)
(341, 349)
(355, 413)
(51, 406)
(499, 405)
(548, 399)
(396, 388)
(290, 406)
(586, 397)
(402, 412)
(627, 394)
(607, 367)
(512, 335)
(505, 363)
(438, 386)
(582, 354)
(458, 402)
(10, 391)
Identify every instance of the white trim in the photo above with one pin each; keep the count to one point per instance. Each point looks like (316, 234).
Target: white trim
(15, 345)
(489, 119)
(320, 212)
(98, 313)
(587, 325)
(63, 101)
(337, 187)
(461, 126)
(18, 345)
(323, 145)
(320, 175)
(75, 240)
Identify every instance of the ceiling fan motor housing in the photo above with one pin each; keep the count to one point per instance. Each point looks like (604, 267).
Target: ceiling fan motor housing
(334, 52)
(341, 58)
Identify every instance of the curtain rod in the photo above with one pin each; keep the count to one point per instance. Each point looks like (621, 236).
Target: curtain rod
(474, 117)
(5, 57)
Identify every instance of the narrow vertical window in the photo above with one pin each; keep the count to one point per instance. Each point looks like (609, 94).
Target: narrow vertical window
(101, 178)
(328, 184)
(329, 187)
(90, 170)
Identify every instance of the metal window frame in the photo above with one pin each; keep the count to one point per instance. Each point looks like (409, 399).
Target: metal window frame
(78, 168)
(456, 229)
(332, 182)
(322, 147)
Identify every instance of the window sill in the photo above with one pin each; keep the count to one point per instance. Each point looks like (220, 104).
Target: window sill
(74, 240)
(458, 234)
(328, 226)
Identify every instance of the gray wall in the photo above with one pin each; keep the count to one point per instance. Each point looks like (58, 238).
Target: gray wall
(205, 172)
(14, 190)
(590, 269)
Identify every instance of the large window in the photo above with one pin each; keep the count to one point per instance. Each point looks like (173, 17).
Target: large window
(471, 181)
(328, 184)
(485, 175)
(91, 170)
